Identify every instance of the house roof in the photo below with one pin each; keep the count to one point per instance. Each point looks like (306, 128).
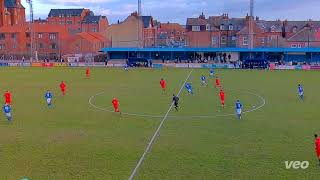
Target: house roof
(304, 35)
(196, 22)
(92, 19)
(9, 3)
(65, 12)
(146, 21)
(171, 26)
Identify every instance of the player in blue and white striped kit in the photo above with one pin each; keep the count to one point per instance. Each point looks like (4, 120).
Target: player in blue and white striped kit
(239, 109)
(7, 112)
(300, 92)
(204, 81)
(188, 86)
(48, 95)
(211, 72)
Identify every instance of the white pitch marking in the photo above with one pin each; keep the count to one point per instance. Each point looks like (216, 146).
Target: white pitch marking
(134, 172)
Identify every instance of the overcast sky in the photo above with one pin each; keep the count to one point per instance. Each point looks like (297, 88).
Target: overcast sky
(179, 10)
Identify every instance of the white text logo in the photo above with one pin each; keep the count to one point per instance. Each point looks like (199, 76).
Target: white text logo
(297, 164)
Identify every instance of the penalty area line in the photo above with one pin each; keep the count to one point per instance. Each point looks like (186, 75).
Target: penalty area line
(152, 140)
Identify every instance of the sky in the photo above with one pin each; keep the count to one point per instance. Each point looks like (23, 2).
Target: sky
(179, 10)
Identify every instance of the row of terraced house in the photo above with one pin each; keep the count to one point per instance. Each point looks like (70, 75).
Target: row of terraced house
(79, 31)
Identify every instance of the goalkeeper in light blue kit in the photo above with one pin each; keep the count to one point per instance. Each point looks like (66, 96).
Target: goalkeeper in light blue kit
(48, 95)
(239, 109)
(7, 112)
(301, 92)
(204, 81)
(188, 86)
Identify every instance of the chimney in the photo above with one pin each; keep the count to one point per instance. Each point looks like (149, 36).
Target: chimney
(202, 16)
(135, 13)
(257, 18)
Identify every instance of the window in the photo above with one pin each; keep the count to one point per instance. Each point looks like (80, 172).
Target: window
(195, 28)
(94, 29)
(295, 29)
(69, 22)
(245, 41)
(230, 27)
(299, 46)
(2, 36)
(208, 27)
(233, 38)
(223, 40)
(27, 34)
(41, 45)
(2, 46)
(54, 46)
(28, 45)
(61, 22)
(213, 40)
(13, 35)
(40, 35)
(293, 46)
(262, 41)
(52, 36)
(222, 27)
(14, 46)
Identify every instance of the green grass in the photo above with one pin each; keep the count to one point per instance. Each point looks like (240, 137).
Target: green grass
(77, 141)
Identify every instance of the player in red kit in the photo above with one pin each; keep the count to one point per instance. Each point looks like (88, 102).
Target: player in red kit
(115, 104)
(222, 96)
(88, 72)
(218, 83)
(163, 85)
(7, 96)
(63, 88)
(317, 146)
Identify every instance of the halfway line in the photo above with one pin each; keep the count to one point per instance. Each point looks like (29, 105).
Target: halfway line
(134, 172)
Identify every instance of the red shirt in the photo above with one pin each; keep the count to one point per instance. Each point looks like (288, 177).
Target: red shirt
(222, 95)
(88, 71)
(7, 95)
(317, 144)
(217, 82)
(115, 102)
(163, 83)
(62, 85)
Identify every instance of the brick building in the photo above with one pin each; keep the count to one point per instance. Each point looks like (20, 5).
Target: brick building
(65, 31)
(222, 31)
(171, 35)
(134, 31)
(11, 13)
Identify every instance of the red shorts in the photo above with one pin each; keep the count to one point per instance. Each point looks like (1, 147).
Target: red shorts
(8, 101)
(116, 108)
(318, 153)
(63, 90)
(222, 101)
(163, 87)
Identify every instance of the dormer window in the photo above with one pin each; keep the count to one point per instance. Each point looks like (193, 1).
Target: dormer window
(230, 27)
(208, 27)
(222, 27)
(294, 29)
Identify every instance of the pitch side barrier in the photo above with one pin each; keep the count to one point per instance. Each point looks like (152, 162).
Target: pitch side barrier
(272, 66)
(294, 67)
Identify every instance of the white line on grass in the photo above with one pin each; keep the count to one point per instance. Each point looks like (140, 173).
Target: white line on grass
(108, 109)
(134, 172)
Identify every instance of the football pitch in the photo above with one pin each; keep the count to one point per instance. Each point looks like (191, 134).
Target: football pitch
(80, 137)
